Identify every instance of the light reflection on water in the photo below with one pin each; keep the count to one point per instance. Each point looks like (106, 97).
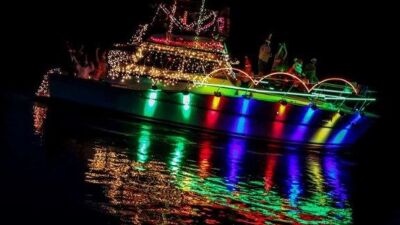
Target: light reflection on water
(158, 177)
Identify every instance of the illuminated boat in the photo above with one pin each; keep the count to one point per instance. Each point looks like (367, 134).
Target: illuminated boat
(189, 80)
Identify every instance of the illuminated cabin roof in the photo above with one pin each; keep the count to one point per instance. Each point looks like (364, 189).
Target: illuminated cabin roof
(189, 42)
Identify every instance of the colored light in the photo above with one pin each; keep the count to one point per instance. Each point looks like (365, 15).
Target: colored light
(332, 173)
(186, 110)
(245, 106)
(211, 118)
(177, 154)
(151, 104)
(215, 102)
(323, 133)
(301, 130)
(332, 91)
(341, 135)
(281, 112)
(144, 144)
(294, 179)
(307, 117)
(205, 159)
(313, 95)
(282, 109)
(236, 152)
(300, 133)
(269, 172)
(241, 125)
(335, 79)
(186, 99)
(277, 129)
(153, 97)
(314, 172)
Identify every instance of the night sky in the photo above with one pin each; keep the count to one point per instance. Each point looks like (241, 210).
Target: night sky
(350, 40)
(342, 36)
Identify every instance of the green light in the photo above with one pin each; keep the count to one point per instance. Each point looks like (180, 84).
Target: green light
(186, 110)
(332, 91)
(285, 93)
(151, 104)
(177, 154)
(351, 99)
(144, 144)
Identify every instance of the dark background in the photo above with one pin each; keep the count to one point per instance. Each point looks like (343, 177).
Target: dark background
(350, 40)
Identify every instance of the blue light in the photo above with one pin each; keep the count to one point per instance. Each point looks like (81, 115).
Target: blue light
(245, 106)
(236, 152)
(241, 125)
(307, 117)
(341, 135)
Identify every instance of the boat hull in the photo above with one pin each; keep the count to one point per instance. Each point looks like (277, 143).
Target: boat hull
(230, 115)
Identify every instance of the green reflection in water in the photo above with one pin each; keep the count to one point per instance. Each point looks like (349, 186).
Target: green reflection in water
(144, 143)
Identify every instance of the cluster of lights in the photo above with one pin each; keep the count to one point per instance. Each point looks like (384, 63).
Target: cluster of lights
(197, 26)
(118, 60)
(43, 90)
(205, 56)
(138, 36)
(221, 24)
(177, 188)
(164, 64)
(201, 45)
(199, 22)
(173, 11)
(39, 117)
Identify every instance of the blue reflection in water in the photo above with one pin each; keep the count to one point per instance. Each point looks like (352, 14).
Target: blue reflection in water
(332, 175)
(236, 150)
(295, 188)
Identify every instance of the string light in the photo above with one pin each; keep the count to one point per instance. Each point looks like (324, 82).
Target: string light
(43, 90)
(199, 23)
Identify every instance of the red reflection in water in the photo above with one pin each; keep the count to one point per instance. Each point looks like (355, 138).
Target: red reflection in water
(269, 172)
(205, 158)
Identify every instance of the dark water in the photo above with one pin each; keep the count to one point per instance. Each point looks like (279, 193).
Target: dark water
(87, 166)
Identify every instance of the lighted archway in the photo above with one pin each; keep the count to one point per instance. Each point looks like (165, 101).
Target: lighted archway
(228, 69)
(284, 74)
(256, 82)
(335, 79)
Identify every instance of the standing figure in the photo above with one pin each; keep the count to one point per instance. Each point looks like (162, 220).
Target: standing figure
(310, 71)
(280, 58)
(297, 68)
(263, 56)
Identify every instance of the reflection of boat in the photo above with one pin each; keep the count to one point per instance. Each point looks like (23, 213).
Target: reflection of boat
(195, 179)
(188, 80)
